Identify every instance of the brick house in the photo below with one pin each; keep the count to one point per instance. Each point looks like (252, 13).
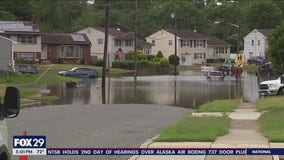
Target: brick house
(68, 48)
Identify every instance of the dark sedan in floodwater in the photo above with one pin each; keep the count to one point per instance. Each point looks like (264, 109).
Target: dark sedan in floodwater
(80, 72)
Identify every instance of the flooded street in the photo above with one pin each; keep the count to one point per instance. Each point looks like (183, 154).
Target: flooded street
(189, 90)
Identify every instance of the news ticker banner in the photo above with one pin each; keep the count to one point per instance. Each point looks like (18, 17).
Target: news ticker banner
(36, 145)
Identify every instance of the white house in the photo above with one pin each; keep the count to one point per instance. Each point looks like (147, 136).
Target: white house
(218, 48)
(191, 45)
(118, 42)
(6, 54)
(256, 43)
(28, 36)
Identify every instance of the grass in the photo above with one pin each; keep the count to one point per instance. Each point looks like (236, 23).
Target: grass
(218, 106)
(272, 119)
(270, 103)
(272, 125)
(204, 129)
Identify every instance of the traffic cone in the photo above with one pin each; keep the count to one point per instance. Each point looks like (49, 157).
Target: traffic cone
(23, 157)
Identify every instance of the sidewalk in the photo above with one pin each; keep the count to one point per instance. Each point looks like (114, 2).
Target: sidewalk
(244, 133)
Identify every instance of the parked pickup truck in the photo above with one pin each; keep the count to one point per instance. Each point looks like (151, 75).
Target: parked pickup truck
(9, 109)
(272, 87)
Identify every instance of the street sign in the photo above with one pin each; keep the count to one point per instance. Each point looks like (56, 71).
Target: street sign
(239, 60)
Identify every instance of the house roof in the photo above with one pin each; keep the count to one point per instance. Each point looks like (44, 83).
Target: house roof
(215, 41)
(186, 33)
(7, 39)
(123, 35)
(18, 27)
(265, 32)
(65, 38)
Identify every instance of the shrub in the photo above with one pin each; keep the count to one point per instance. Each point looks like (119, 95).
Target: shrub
(140, 56)
(98, 62)
(80, 61)
(20, 61)
(150, 57)
(164, 63)
(174, 60)
(159, 55)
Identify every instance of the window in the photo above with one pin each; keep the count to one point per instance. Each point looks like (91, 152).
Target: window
(153, 42)
(221, 50)
(185, 43)
(100, 41)
(199, 55)
(28, 39)
(128, 42)
(26, 56)
(258, 42)
(252, 42)
(118, 42)
(170, 42)
(199, 43)
(69, 51)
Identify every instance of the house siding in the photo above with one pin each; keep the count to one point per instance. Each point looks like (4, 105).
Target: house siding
(53, 54)
(162, 39)
(5, 55)
(257, 49)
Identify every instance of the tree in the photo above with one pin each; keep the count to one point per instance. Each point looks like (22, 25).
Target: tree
(276, 48)
(159, 55)
(261, 14)
(174, 60)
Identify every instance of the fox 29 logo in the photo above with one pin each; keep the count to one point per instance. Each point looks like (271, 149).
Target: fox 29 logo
(29, 142)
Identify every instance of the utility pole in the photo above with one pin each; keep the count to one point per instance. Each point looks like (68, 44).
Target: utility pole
(135, 41)
(135, 50)
(173, 15)
(105, 53)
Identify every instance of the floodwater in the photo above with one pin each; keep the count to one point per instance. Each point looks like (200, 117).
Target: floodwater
(189, 89)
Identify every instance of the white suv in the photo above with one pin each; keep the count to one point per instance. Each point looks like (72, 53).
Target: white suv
(9, 109)
(272, 87)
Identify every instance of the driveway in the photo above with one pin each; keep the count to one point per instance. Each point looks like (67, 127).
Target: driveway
(90, 126)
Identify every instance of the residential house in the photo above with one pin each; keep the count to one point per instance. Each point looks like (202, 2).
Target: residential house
(256, 43)
(28, 36)
(191, 45)
(218, 48)
(119, 43)
(69, 48)
(6, 54)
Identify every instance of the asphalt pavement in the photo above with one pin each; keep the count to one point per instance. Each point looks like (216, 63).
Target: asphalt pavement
(93, 126)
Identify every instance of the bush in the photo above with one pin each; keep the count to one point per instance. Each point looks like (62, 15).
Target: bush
(20, 61)
(140, 56)
(159, 55)
(123, 64)
(80, 61)
(164, 63)
(61, 61)
(150, 57)
(98, 62)
(174, 60)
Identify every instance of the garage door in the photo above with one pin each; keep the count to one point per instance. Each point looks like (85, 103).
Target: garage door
(186, 59)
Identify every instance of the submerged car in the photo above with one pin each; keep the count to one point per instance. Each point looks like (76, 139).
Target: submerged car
(80, 72)
(215, 76)
(226, 68)
(26, 68)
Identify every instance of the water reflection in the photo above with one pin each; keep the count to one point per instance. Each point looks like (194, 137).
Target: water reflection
(185, 90)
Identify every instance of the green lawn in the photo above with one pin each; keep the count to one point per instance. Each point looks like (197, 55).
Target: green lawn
(272, 120)
(204, 129)
(219, 106)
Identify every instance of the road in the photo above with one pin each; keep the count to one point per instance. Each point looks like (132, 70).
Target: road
(90, 126)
